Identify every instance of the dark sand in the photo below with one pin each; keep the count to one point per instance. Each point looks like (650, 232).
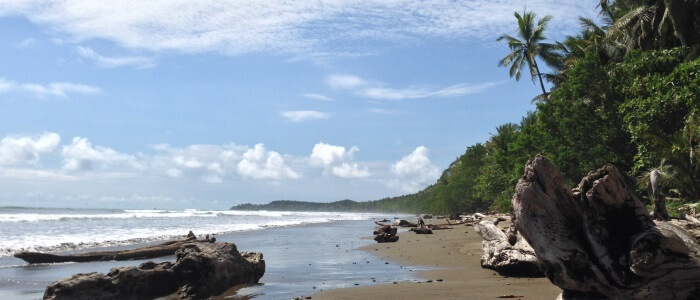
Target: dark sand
(456, 252)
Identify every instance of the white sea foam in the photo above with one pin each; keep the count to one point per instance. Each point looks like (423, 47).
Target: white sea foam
(46, 230)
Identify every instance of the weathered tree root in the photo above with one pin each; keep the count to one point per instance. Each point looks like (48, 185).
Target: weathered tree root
(598, 241)
(201, 270)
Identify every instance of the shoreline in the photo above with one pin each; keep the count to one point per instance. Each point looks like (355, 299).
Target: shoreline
(327, 258)
(453, 258)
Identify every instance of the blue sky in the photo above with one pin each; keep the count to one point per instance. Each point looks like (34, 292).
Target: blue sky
(207, 104)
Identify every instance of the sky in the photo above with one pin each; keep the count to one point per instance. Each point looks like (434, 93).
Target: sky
(208, 104)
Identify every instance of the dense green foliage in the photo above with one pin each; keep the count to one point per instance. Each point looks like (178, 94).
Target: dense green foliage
(625, 93)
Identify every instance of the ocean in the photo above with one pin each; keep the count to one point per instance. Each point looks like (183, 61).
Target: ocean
(304, 251)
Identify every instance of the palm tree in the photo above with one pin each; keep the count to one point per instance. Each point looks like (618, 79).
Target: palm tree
(653, 180)
(654, 24)
(528, 47)
(681, 158)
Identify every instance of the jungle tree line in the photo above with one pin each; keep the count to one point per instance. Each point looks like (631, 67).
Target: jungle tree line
(624, 90)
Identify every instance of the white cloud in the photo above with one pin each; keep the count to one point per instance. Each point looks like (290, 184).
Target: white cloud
(425, 92)
(59, 89)
(258, 163)
(211, 163)
(382, 111)
(414, 171)
(34, 175)
(375, 90)
(327, 155)
(114, 61)
(81, 155)
(342, 81)
(16, 150)
(304, 115)
(334, 160)
(350, 170)
(55, 89)
(317, 97)
(327, 26)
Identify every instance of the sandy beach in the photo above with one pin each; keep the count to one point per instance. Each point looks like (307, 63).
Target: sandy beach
(456, 273)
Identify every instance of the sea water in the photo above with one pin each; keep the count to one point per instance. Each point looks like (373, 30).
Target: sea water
(305, 252)
(61, 229)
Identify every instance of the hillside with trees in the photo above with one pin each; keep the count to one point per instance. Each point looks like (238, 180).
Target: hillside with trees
(624, 91)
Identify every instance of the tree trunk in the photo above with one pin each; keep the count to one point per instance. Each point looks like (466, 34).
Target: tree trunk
(200, 271)
(678, 30)
(539, 75)
(598, 241)
(507, 254)
(660, 212)
(164, 249)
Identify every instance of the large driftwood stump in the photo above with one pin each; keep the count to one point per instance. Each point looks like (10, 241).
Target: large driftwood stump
(505, 258)
(201, 270)
(598, 241)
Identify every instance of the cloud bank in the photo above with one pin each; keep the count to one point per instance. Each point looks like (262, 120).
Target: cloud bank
(378, 91)
(54, 89)
(337, 161)
(305, 26)
(298, 116)
(414, 171)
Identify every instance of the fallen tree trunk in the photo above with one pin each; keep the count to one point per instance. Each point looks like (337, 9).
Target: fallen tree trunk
(439, 227)
(422, 230)
(598, 241)
(160, 250)
(386, 238)
(507, 254)
(201, 270)
(386, 229)
(404, 223)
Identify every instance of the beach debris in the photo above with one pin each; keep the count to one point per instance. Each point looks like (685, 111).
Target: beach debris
(505, 256)
(385, 233)
(386, 238)
(200, 271)
(404, 223)
(439, 226)
(160, 250)
(598, 240)
(510, 296)
(422, 230)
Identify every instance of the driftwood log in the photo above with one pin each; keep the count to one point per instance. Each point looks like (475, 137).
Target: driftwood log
(422, 230)
(160, 250)
(386, 238)
(507, 254)
(404, 223)
(200, 271)
(598, 241)
(385, 233)
(386, 229)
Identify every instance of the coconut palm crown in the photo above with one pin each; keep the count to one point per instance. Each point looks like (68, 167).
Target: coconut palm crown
(528, 46)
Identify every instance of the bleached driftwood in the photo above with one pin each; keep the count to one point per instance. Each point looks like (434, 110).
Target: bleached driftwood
(516, 258)
(598, 241)
(160, 250)
(404, 223)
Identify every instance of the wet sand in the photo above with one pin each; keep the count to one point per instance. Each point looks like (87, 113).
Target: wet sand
(456, 254)
(301, 260)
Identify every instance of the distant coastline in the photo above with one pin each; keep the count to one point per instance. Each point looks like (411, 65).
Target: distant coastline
(379, 206)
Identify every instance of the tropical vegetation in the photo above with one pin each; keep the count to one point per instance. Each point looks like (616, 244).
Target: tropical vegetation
(624, 91)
